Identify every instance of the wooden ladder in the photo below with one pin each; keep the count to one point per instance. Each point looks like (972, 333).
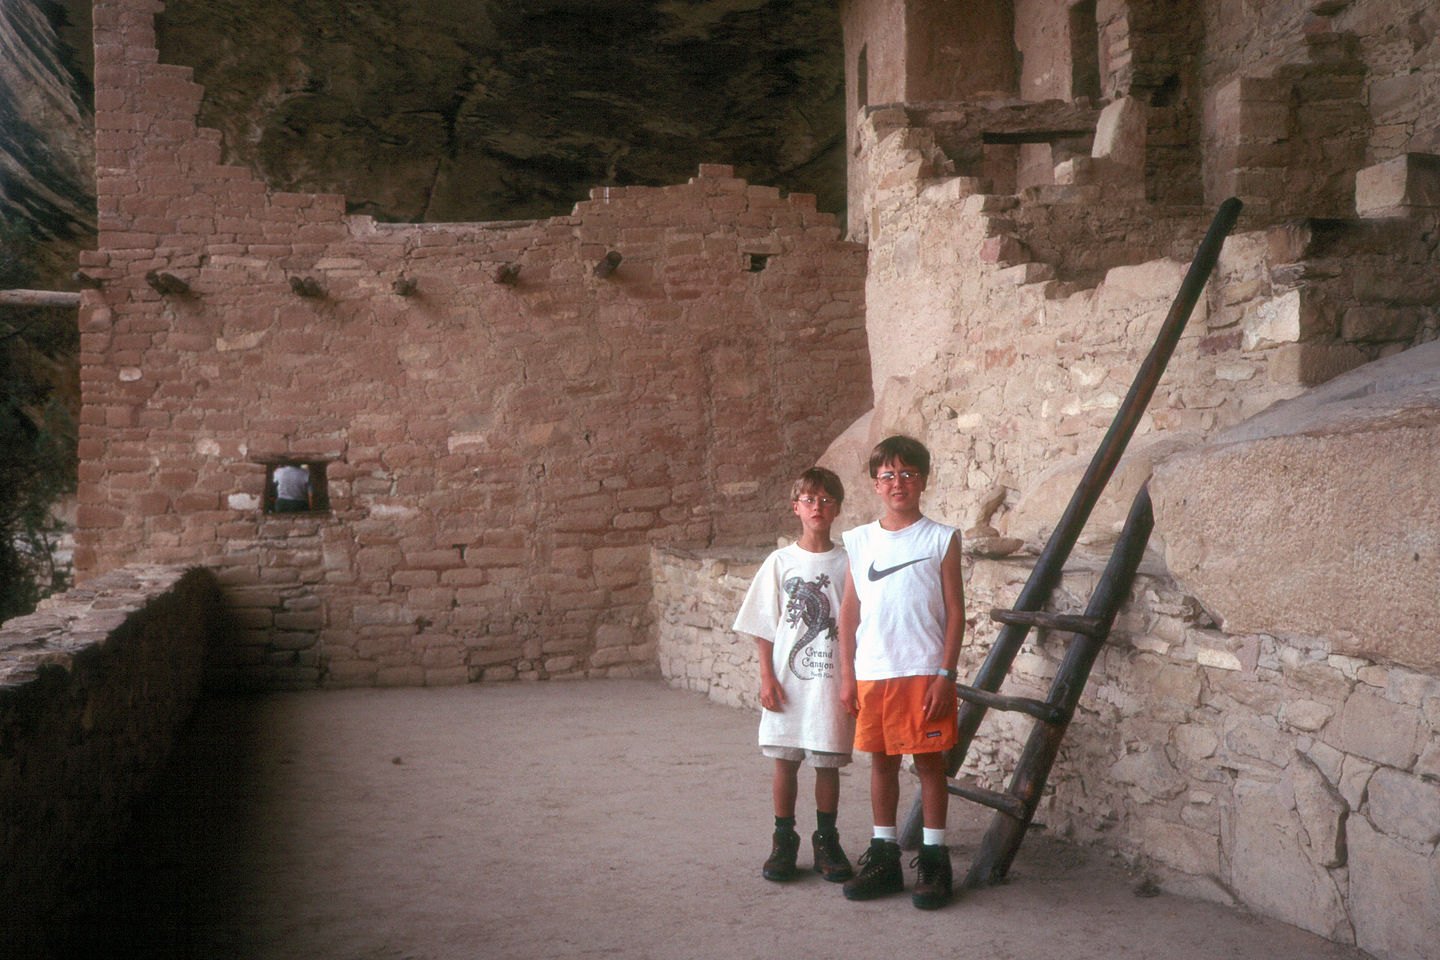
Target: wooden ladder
(1015, 807)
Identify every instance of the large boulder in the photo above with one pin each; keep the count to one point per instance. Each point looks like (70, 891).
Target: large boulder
(1320, 517)
(1039, 509)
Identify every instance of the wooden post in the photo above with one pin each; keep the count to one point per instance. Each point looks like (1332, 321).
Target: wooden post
(38, 298)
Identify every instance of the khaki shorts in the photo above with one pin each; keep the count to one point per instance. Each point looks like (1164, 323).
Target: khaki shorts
(892, 718)
(816, 758)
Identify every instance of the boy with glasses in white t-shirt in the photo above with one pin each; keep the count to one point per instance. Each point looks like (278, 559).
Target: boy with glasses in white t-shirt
(902, 620)
(790, 610)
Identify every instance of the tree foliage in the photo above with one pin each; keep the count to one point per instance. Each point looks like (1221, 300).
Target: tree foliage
(37, 437)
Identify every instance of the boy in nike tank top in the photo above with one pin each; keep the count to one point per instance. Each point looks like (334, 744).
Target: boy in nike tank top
(902, 618)
(790, 610)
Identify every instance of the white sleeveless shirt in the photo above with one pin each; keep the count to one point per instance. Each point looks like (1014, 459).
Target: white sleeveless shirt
(902, 607)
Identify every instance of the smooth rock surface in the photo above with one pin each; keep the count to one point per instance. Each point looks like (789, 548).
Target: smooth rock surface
(1318, 517)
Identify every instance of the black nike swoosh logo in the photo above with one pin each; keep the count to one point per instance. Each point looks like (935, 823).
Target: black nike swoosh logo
(881, 574)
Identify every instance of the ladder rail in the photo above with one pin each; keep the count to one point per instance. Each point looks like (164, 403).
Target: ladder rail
(1049, 566)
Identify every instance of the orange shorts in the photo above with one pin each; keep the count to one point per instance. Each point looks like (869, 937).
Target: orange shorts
(892, 718)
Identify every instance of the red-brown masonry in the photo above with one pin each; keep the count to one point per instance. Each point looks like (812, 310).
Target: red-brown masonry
(499, 455)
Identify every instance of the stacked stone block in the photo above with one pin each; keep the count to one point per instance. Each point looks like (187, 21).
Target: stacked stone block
(500, 448)
(1291, 144)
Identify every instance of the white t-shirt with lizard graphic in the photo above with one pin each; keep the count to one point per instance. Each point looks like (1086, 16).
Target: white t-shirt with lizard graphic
(793, 602)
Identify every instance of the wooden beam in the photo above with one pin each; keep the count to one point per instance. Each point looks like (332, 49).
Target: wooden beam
(39, 298)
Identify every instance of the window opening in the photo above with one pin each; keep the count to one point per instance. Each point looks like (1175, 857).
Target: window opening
(758, 261)
(1084, 51)
(296, 486)
(862, 81)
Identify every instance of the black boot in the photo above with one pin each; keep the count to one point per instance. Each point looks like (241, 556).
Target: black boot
(932, 877)
(879, 874)
(781, 864)
(830, 861)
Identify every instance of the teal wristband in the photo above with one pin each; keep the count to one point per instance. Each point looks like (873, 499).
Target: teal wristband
(949, 674)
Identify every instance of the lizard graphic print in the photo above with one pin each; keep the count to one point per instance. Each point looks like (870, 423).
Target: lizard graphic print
(808, 606)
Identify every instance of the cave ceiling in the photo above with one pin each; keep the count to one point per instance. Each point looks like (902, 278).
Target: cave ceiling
(463, 110)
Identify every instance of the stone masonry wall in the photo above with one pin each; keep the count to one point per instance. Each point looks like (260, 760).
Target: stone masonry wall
(94, 688)
(980, 341)
(501, 448)
(1323, 90)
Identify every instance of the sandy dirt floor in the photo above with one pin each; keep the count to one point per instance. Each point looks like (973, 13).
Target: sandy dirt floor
(571, 820)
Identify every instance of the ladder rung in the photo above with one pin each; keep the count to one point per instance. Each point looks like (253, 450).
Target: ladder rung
(1068, 623)
(1006, 803)
(1039, 709)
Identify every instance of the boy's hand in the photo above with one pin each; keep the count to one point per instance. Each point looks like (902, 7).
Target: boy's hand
(850, 696)
(939, 698)
(772, 695)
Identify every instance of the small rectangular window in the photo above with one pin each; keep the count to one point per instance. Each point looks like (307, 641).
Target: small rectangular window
(296, 486)
(862, 81)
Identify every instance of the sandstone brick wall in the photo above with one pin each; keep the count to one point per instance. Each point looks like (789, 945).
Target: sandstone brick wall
(500, 451)
(1239, 767)
(94, 688)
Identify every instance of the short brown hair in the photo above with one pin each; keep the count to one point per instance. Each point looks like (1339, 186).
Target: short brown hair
(818, 478)
(900, 449)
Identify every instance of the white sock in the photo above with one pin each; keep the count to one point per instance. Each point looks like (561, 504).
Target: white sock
(886, 833)
(934, 837)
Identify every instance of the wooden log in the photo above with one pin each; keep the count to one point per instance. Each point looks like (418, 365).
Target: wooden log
(1029, 706)
(39, 298)
(1058, 622)
(994, 799)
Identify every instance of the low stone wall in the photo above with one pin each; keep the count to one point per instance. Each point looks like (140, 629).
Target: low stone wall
(697, 594)
(94, 687)
(1244, 769)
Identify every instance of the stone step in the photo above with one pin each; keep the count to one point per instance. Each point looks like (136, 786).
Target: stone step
(957, 189)
(989, 203)
(1004, 249)
(1023, 273)
(1060, 193)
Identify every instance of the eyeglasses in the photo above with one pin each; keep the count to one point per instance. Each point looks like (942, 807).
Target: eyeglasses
(890, 476)
(811, 501)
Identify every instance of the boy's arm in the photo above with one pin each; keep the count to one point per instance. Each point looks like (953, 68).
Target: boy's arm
(846, 625)
(772, 695)
(952, 590)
